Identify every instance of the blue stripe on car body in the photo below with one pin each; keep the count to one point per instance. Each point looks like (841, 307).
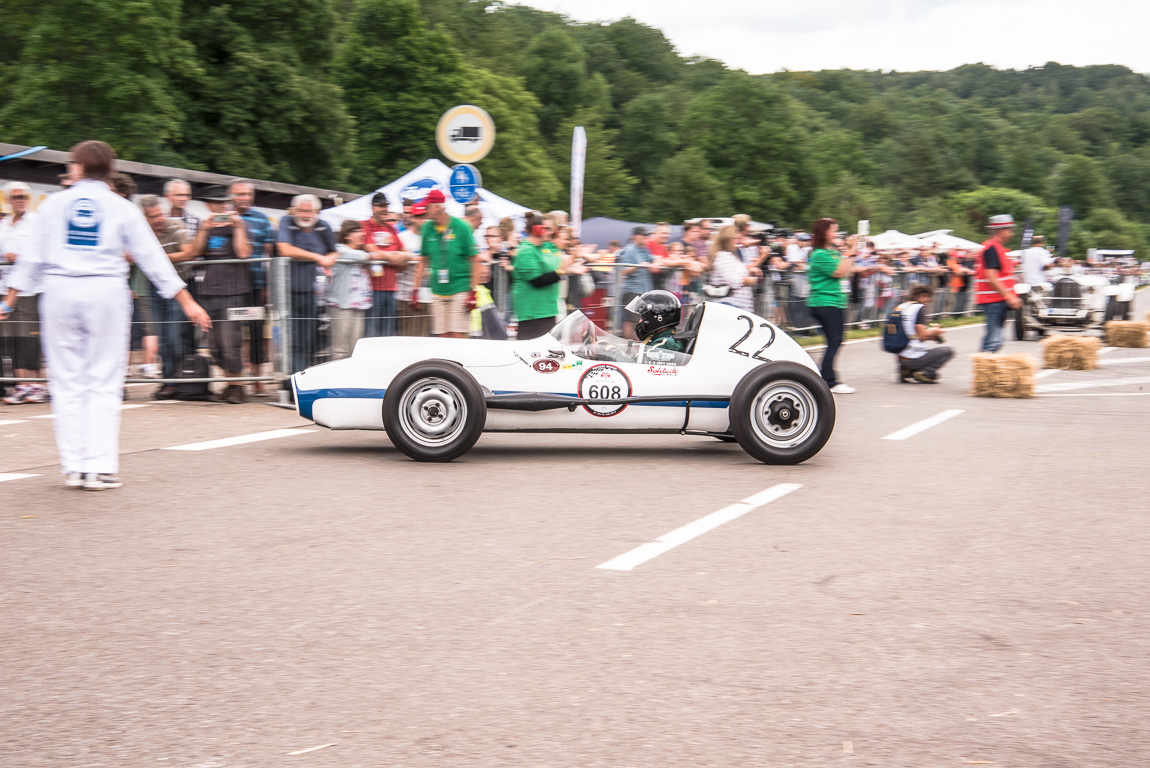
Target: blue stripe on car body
(306, 398)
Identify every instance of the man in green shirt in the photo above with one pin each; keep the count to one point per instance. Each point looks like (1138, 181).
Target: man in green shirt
(448, 251)
(537, 272)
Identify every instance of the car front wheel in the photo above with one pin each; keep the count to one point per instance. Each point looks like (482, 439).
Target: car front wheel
(782, 413)
(434, 411)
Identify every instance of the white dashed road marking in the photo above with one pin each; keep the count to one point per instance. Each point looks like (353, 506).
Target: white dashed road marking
(1124, 360)
(669, 541)
(6, 476)
(11, 421)
(239, 440)
(1098, 394)
(1068, 385)
(923, 425)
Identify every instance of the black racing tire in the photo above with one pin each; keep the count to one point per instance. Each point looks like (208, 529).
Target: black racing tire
(434, 411)
(1126, 310)
(782, 413)
(1020, 323)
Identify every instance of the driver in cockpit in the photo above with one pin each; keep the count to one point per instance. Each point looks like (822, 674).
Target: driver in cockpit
(659, 313)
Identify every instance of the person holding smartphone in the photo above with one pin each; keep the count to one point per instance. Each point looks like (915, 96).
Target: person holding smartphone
(223, 236)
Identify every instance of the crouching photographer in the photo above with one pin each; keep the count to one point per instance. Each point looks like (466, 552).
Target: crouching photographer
(915, 360)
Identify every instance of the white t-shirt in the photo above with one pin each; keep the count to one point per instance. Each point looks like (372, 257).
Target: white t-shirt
(910, 313)
(796, 252)
(1034, 263)
(15, 237)
(405, 280)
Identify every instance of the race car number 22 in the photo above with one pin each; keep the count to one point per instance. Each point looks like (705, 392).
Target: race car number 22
(751, 329)
(604, 382)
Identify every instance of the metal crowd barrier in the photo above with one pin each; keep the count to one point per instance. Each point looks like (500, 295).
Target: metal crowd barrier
(265, 334)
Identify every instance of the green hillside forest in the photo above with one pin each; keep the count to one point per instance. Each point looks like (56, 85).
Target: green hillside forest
(346, 93)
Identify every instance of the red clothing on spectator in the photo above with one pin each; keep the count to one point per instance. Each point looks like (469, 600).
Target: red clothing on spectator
(384, 237)
(658, 250)
(992, 256)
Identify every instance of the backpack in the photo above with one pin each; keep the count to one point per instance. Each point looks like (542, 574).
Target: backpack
(894, 338)
(194, 366)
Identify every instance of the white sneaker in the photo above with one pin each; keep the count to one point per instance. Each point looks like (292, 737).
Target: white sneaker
(38, 394)
(843, 389)
(150, 371)
(19, 394)
(101, 482)
(73, 479)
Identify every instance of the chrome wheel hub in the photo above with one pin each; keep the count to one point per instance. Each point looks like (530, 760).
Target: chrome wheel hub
(784, 414)
(433, 412)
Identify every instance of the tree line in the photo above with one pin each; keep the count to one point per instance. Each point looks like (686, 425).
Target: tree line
(346, 94)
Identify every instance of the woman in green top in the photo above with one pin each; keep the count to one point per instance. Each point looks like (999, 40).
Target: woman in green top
(538, 269)
(828, 271)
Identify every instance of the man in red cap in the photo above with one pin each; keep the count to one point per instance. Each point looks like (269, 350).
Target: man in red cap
(449, 253)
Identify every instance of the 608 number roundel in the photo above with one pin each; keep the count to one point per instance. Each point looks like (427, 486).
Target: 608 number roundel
(604, 382)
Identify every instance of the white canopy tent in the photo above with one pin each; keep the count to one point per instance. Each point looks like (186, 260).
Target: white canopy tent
(893, 240)
(941, 238)
(414, 186)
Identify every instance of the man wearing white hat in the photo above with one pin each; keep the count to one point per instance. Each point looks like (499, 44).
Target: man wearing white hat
(21, 335)
(994, 281)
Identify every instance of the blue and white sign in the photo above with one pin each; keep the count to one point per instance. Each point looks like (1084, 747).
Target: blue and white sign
(417, 190)
(84, 217)
(465, 183)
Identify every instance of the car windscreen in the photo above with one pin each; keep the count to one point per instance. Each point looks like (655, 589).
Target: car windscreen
(581, 337)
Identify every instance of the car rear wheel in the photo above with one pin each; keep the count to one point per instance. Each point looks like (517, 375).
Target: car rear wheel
(1020, 323)
(782, 413)
(434, 411)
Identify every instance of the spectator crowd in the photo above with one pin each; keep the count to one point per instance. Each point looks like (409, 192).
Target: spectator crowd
(421, 271)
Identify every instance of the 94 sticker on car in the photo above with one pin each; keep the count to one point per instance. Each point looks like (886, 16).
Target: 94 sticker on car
(604, 382)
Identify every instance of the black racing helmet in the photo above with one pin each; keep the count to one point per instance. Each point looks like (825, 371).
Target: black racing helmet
(657, 310)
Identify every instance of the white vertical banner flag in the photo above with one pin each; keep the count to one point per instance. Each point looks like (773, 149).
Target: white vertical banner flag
(578, 165)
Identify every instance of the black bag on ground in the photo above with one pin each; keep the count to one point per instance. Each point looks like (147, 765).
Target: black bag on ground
(194, 366)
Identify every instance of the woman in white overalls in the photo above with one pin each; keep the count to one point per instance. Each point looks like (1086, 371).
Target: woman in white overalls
(76, 258)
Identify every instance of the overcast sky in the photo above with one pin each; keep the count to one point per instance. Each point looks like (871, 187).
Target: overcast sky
(905, 35)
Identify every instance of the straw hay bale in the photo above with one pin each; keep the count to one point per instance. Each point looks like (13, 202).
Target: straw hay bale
(1070, 353)
(1120, 333)
(1003, 376)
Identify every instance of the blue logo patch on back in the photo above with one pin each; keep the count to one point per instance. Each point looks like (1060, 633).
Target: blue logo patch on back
(84, 217)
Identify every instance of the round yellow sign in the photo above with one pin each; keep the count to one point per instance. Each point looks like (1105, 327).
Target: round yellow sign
(465, 134)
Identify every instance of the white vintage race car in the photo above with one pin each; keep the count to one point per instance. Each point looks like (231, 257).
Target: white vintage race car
(740, 379)
(1069, 303)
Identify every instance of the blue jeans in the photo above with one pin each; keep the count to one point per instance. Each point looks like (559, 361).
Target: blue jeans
(380, 320)
(177, 336)
(831, 319)
(995, 320)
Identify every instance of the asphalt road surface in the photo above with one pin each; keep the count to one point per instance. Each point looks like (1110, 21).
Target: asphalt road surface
(973, 594)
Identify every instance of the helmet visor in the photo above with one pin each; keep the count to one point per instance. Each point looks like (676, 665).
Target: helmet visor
(636, 305)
